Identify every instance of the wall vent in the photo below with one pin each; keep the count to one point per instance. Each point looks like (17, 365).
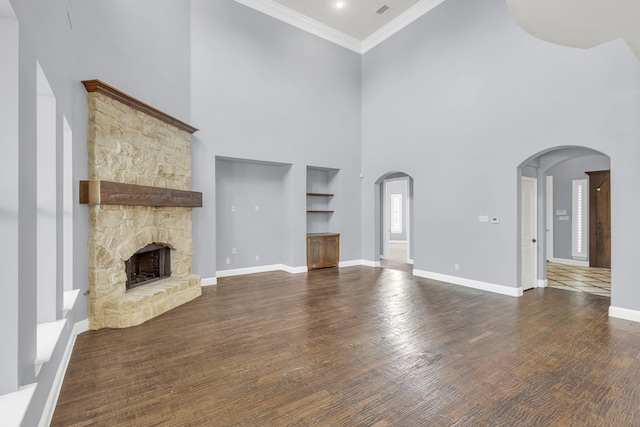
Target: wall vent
(383, 10)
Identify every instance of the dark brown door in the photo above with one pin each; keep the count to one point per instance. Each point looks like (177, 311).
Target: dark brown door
(599, 219)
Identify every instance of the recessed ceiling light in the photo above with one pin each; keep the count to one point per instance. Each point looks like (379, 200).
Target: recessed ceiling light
(339, 4)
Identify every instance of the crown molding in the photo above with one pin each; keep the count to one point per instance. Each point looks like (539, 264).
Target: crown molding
(278, 11)
(303, 22)
(398, 23)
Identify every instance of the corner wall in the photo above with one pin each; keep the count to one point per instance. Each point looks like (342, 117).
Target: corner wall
(266, 91)
(459, 99)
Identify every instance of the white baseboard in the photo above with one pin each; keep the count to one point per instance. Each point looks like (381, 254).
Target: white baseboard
(624, 313)
(397, 241)
(294, 270)
(357, 262)
(352, 263)
(54, 393)
(542, 283)
(368, 263)
(261, 269)
(574, 262)
(209, 281)
(469, 283)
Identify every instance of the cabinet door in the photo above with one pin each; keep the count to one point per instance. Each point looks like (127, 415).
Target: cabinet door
(315, 252)
(331, 251)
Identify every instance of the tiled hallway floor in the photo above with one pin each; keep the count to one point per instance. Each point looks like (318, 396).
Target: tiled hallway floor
(596, 281)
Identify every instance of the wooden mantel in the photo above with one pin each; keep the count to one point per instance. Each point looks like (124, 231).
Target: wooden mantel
(112, 92)
(119, 193)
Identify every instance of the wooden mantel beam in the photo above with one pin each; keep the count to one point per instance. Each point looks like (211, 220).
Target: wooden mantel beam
(119, 193)
(112, 92)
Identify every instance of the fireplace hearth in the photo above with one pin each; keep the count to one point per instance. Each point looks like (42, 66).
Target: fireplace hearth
(151, 263)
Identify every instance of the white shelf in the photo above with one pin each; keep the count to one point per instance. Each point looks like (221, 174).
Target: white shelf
(47, 337)
(13, 406)
(68, 301)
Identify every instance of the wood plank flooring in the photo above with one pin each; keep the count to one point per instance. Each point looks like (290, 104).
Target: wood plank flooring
(360, 346)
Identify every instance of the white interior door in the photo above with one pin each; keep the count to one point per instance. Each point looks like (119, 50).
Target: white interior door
(529, 232)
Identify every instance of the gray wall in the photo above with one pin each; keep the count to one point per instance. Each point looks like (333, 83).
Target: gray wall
(244, 186)
(465, 89)
(563, 176)
(267, 91)
(141, 49)
(9, 334)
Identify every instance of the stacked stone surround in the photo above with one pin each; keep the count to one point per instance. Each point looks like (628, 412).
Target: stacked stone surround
(129, 146)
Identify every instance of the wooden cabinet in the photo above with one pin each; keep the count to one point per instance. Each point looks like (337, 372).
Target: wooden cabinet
(323, 250)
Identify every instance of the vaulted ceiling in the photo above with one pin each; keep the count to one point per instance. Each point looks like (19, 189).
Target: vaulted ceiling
(356, 25)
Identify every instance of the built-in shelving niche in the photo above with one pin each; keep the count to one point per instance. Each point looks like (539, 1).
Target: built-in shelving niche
(322, 200)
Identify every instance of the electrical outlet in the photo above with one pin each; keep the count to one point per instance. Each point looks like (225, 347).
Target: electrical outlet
(257, 257)
(233, 208)
(257, 208)
(233, 250)
(457, 267)
(228, 260)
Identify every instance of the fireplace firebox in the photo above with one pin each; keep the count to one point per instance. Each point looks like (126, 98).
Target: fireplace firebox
(153, 262)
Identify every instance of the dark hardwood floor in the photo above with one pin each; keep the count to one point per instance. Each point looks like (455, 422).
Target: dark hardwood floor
(360, 346)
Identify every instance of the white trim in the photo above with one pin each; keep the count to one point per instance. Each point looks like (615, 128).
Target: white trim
(542, 283)
(13, 406)
(209, 281)
(470, 283)
(534, 232)
(574, 262)
(294, 270)
(397, 241)
(624, 313)
(261, 269)
(367, 263)
(352, 263)
(303, 22)
(397, 24)
(54, 393)
(549, 233)
(410, 261)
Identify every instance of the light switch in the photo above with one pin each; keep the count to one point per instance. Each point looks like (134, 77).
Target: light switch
(483, 218)
(495, 220)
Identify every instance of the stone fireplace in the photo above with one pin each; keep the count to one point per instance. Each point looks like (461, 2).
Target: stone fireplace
(138, 192)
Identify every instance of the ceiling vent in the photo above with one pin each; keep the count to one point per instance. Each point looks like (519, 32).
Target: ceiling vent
(383, 10)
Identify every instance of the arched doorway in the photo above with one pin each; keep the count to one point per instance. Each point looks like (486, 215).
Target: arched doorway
(556, 220)
(394, 221)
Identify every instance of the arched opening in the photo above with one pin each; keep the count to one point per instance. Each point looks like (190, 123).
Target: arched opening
(394, 220)
(564, 220)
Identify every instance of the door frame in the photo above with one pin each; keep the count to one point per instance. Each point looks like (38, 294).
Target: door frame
(534, 220)
(386, 215)
(549, 225)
